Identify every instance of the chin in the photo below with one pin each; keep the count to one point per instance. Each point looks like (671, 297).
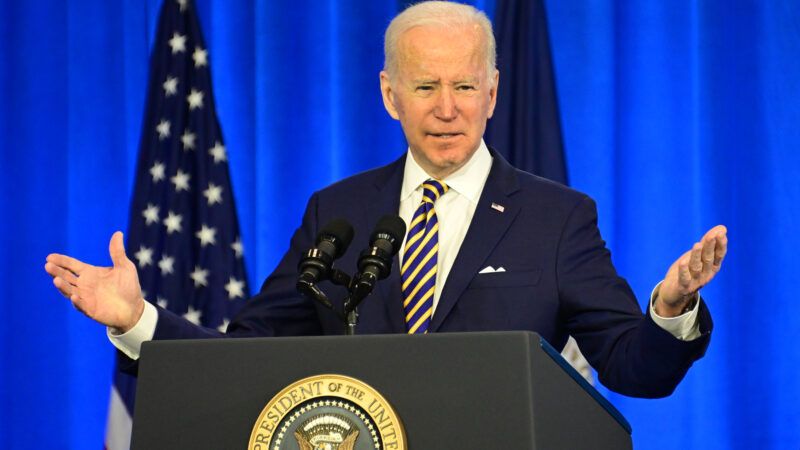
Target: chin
(449, 165)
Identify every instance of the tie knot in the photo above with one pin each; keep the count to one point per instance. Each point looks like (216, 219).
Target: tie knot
(433, 189)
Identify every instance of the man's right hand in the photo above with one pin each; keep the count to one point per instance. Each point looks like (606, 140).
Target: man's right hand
(109, 295)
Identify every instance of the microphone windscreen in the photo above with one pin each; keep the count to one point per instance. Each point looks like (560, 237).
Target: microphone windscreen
(390, 228)
(340, 233)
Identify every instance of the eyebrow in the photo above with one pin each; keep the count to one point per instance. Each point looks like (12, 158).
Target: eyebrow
(425, 81)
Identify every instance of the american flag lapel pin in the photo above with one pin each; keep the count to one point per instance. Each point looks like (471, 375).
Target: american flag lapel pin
(499, 208)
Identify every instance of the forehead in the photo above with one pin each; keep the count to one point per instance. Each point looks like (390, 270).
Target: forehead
(439, 51)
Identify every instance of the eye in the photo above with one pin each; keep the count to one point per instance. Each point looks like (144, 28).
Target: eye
(465, 87)
(424, 88)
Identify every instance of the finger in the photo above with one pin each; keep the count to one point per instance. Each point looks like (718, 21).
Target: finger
(56, 271)
(716, 231)
(76, 303)
(684, 275)
(720, 250)
(707, 255)
(695, 262)
(116, 248)
(66, 289)
(67, 262)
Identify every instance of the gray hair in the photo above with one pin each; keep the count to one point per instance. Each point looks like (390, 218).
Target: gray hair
(439, 14)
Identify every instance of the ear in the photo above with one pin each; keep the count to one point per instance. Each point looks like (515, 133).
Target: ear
(493, 93)
(388, 96)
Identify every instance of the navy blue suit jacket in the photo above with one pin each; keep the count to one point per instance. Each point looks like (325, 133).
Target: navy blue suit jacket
(559, 280)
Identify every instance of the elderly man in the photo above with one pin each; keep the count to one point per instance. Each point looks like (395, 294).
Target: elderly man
(488, 248)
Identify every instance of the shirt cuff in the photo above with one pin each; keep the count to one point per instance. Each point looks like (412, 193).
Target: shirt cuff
(685, 327)
(130, 342)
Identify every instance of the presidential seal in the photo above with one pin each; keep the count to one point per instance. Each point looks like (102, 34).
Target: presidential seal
(328, 412)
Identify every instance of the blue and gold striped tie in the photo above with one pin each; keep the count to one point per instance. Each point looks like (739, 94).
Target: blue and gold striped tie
(418, 273)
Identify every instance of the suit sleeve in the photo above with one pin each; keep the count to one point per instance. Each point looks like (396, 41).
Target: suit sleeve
(279, 310)
(631, 353)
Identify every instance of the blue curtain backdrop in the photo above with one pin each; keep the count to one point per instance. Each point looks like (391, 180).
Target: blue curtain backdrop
(676, 116)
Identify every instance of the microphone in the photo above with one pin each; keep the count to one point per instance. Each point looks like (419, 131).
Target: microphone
(332, 242)
(375, 263)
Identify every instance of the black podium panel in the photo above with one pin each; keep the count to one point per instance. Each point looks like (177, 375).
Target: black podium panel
(502, 390)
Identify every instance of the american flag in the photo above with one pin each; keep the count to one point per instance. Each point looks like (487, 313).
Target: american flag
(183, 232)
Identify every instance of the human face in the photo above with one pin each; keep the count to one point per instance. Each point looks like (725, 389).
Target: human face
(441, 94)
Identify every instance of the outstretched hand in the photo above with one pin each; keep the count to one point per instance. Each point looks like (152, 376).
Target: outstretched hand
(109, 295)
(693, 270)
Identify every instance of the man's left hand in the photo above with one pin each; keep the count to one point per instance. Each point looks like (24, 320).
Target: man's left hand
(693, 270)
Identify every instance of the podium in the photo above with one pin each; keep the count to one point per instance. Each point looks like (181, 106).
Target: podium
(496, 390)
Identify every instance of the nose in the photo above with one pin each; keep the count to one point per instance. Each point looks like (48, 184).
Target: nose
(446, 108)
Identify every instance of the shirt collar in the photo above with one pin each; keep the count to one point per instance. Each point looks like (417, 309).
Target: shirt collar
(467, 180)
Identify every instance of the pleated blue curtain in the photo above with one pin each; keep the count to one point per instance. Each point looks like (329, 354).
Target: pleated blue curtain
(72, 88)
(676, 116)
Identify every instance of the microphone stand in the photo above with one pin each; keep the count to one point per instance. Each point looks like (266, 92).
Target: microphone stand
(350, 314)
(310, 289)
(351, 317)
(358, 287)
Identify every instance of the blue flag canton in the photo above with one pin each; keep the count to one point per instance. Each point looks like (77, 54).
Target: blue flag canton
(183, 233)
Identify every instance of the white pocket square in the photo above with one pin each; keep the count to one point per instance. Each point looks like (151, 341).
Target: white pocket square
(490, 269)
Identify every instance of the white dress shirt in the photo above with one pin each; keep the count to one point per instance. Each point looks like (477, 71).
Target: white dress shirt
(454, 211)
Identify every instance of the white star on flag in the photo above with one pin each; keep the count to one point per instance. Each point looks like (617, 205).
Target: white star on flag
(144, 256)
(235, 288)
(173, 222)
(207, 236)
(150, 214)
(163, 129)
(181, 181)
(157, 172)
(200, 57)
(162, 302)
(182, 4)
(218, 152)
(224, 325)
(237, 247)
(192, 315)
(188, 140)
(166, 264)
(213, 194)
(170, 86)
(178, 43)
(195, 99)
(199, 276)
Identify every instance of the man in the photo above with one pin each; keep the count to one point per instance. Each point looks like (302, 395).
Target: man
(488, 247)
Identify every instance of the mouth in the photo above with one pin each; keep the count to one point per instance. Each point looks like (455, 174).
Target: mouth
(445, 135)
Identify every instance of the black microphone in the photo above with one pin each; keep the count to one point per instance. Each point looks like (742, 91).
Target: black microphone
(375, 263)
(332, 242)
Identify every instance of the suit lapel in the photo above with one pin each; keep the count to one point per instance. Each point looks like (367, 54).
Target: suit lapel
(387, 201)
(488, 226)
